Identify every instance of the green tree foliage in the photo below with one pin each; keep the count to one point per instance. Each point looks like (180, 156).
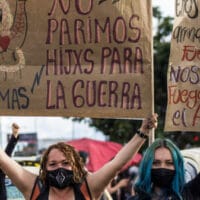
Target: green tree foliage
(161, 57)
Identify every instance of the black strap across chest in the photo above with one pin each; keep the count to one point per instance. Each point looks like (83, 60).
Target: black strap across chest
(41, 192)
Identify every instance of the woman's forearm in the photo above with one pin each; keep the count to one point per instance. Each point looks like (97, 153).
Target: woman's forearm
(128, 151)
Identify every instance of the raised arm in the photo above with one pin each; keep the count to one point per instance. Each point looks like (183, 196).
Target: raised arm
(23, 179)
(9, 149)
(13, 140)
(99, 180)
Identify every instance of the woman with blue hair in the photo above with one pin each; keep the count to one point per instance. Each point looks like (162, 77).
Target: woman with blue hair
(161, 175)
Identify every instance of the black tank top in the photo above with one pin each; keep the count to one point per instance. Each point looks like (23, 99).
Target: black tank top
(45, 194)
(44, 191)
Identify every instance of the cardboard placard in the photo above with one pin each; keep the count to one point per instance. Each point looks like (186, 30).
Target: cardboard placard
(183, 109)
(86, 58)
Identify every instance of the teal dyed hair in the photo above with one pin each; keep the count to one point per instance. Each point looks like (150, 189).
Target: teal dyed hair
(144, 179)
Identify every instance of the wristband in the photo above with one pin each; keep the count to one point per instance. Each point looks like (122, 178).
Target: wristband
(141, 134)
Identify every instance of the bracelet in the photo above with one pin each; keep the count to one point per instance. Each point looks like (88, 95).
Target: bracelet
(141, 134)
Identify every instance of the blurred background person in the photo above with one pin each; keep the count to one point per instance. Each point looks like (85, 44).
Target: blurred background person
(9, 149)
(116, 186)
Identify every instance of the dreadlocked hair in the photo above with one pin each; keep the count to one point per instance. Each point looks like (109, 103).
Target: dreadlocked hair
(72, 156)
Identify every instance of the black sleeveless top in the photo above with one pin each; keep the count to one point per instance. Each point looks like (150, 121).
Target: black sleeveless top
(45, 194)
(44, 191)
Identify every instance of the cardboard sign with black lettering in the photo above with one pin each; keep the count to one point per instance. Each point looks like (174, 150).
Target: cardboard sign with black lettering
(87, 58)
(183, 109)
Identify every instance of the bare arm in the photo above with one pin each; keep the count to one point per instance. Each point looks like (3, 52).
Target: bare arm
(23, 179)
(98, 180)
(122, 183)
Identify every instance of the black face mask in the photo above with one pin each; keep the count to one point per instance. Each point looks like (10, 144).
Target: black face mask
(162, 177)
(60, 178)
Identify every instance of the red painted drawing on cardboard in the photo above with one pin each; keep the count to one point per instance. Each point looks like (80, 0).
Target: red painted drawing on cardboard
(13, 29)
